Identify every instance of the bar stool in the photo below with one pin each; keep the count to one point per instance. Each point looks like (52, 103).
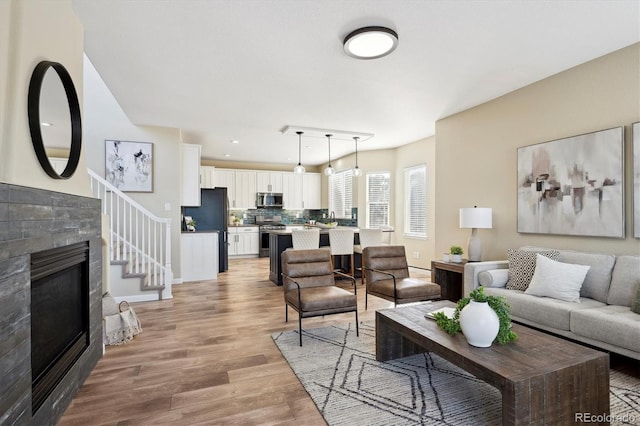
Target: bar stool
(368, 237)
(340, 244)
(304, 239)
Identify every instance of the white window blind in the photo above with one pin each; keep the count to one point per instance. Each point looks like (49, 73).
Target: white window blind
(415, 182)
(341, 194)
(378, 199)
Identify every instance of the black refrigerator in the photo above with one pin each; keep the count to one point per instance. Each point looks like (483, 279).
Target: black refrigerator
(213, 215)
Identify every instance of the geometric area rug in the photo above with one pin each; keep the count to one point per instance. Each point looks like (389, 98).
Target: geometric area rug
(349, 387)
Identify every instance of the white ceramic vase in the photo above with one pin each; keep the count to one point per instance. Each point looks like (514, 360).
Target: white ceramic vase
(479, 323)
(457, 258)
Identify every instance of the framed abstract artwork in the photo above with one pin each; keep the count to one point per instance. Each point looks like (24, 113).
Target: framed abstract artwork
(129, 165)
(636, 179)
(573, 186)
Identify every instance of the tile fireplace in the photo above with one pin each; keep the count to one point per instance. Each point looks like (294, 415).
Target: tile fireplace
(50, 301)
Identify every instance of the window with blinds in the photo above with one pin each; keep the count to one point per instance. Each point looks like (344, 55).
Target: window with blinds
(341, 194)
(415, 184)
(378, 199)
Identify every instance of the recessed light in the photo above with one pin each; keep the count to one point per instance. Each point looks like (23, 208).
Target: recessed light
(308, 146)
(370, 42)
(227, 155)
(234, 141)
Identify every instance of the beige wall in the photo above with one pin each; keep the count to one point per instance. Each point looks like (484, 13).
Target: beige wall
(476, 150)
(59, 37)
(416, 154)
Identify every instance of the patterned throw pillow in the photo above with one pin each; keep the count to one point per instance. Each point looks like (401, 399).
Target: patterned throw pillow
(522, 265)
(635, 302)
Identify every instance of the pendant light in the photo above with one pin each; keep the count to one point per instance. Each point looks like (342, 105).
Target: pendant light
(299, 168)
(356, 170)
(329, 170)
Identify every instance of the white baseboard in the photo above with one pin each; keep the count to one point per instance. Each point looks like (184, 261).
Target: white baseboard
(152, 297)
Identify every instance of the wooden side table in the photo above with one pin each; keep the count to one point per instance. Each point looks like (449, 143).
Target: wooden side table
(450, 277)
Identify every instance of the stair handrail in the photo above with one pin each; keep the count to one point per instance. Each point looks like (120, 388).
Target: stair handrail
(154, 256)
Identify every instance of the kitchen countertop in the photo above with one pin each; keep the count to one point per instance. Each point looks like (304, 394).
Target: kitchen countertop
(214, 231)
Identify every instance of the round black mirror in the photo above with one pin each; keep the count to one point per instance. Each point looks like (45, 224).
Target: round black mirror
(40, 103)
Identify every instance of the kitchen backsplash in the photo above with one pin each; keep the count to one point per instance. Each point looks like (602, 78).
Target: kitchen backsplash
(294, 217)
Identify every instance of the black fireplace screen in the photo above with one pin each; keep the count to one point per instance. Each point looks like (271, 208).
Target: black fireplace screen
(59, 315)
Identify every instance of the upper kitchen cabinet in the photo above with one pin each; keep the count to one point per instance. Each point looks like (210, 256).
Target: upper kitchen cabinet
(269, 181)
(207, 177)
(240, 184)
(301, 191)
(190, 195)
(245, 189)
(311, 191)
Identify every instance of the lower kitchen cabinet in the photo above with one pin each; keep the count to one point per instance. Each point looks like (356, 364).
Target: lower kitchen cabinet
(244, 241)
(199, 256)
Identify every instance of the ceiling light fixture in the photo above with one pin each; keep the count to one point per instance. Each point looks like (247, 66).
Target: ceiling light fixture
(328, 171)
(370, 42)
(356, 170)
(299, 168)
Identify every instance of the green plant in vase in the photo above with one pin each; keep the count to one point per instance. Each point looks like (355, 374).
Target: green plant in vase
(499, 306)
(456, 253)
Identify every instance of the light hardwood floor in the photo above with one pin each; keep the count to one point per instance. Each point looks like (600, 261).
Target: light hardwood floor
(206, 357)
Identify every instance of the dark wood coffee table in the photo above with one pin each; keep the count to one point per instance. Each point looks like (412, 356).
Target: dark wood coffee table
(543, 379)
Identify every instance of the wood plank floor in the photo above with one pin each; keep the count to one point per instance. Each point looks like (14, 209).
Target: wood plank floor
(206, 357)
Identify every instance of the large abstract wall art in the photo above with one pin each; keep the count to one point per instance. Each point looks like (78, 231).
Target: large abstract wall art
(129, 165)
(573, 186)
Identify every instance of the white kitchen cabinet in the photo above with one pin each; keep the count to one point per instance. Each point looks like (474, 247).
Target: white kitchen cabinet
(311, 191)
(292, 191)
(224, 178)
(190, 195)
(268, 181)
(245, 189)
(244, 241)
(207, 177)
(199, 256)
(301, 191)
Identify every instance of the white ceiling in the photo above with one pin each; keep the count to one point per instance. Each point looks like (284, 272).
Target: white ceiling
(223, 70)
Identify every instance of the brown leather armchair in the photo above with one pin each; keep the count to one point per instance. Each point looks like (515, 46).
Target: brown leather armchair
(309, 286)
(387, 276)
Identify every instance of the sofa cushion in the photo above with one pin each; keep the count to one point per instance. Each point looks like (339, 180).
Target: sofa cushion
(557, 280)
(543, 310)
(635, 303)
(596, 283)
(522, 264)
(624, 280)
(612, 324)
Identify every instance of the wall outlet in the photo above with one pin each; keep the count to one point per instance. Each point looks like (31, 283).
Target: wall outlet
(416, 255)
(167, 207)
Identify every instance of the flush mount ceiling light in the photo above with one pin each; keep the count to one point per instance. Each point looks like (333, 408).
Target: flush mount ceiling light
(370, 42)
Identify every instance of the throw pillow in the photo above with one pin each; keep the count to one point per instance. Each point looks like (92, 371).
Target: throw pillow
(557, 280)
(635, 302)
(522, 264)
(493, 277)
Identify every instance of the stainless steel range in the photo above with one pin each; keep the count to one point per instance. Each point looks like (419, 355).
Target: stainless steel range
(267, 224)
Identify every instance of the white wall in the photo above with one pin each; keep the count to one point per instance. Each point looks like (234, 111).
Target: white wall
(105, 119)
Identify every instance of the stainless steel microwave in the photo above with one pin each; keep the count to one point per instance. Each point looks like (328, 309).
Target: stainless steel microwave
(269, 200)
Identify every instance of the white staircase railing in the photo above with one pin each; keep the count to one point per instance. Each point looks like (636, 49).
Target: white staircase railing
(137, 235)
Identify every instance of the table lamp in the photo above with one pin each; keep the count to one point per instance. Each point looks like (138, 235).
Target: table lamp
(474, 218)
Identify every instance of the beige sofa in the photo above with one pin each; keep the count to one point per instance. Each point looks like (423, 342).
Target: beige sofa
(603, 318)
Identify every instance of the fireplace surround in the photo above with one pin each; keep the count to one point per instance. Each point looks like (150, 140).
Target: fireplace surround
(35, 221)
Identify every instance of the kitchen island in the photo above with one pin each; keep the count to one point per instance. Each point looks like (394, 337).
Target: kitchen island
(280, 240)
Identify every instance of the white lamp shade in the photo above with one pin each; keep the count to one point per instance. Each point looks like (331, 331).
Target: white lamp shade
(475, 217)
